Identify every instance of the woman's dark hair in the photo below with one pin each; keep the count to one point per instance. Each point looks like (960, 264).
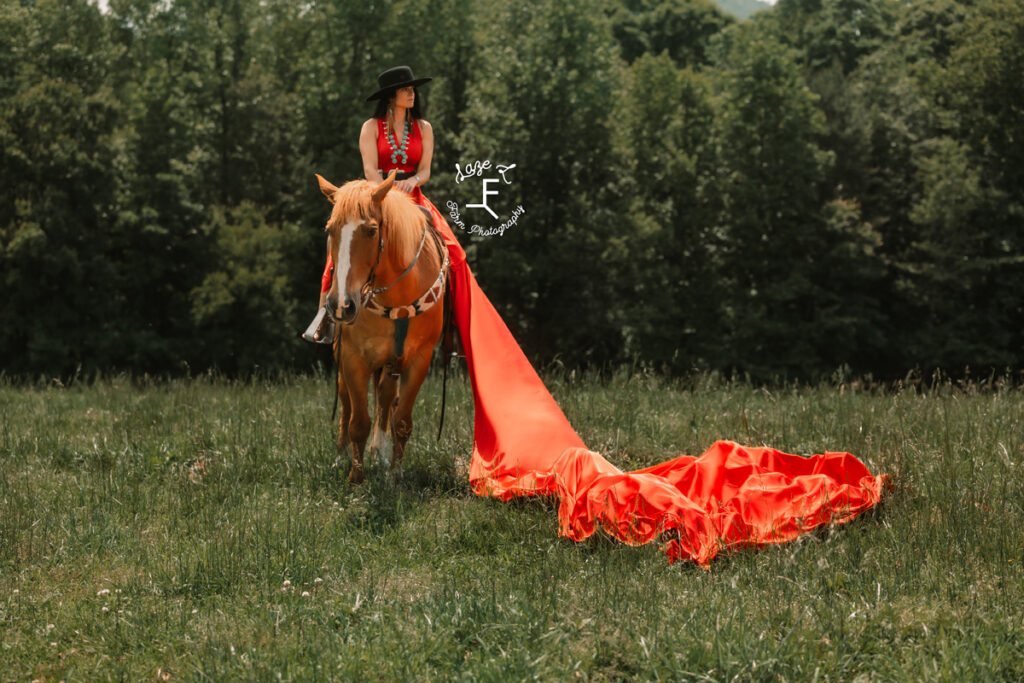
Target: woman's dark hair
(416, 112)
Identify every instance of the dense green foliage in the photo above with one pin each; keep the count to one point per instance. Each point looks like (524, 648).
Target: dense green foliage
(827, 184)
(171, 530)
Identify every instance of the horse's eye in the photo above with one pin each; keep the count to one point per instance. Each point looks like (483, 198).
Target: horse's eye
(370, 230)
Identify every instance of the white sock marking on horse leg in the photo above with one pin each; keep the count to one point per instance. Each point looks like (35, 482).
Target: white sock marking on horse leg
(382, 447)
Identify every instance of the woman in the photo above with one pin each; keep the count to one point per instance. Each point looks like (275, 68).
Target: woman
(396, 137)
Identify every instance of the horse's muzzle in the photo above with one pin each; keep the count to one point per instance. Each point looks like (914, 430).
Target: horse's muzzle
(344, 314)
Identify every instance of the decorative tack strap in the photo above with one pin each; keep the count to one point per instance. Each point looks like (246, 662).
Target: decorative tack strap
(422, 304)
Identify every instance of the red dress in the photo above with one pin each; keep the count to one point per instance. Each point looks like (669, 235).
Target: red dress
(523, 446)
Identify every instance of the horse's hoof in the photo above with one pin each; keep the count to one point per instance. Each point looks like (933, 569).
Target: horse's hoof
(356, 476)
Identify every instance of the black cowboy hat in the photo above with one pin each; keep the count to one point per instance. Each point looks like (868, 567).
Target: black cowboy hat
(394, 78)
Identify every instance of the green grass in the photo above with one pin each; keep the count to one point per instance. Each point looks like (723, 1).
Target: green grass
(148, 530)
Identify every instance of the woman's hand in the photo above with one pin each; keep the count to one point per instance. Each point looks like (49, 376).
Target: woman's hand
(409, 184)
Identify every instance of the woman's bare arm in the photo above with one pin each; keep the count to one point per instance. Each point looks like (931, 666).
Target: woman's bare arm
(427, 135)
(368, 150)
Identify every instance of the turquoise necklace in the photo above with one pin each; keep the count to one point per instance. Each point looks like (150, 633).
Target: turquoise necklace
(397, 151)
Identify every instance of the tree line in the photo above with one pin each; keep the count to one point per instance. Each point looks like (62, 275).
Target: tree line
(830, 184)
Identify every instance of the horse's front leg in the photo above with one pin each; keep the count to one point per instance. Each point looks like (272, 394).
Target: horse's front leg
(386, 389)
(401, 419)
(357, 375)
(346, 415)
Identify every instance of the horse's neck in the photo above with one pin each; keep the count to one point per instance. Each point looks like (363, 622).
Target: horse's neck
(419, 277)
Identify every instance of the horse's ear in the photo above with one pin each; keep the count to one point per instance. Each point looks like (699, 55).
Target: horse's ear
(326, 187)
(382, 189)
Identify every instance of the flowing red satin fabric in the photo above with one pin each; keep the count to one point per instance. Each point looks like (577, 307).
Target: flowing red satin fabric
(728, 497)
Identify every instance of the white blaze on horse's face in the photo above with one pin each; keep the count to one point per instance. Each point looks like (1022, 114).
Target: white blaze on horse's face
(343, 264)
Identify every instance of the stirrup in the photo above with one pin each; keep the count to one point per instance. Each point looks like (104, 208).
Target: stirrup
(314, 327)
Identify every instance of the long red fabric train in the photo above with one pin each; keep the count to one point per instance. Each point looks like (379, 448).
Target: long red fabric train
(730, 496)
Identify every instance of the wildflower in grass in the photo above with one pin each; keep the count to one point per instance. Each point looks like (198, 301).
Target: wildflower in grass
(102, 592)
(105, 608)
(16, 591)
(50, 627)
(286, 583)
(305, 594)
(319, 580)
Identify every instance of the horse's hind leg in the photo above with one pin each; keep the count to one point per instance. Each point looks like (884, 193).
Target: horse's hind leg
(401, 419)
(380, 443)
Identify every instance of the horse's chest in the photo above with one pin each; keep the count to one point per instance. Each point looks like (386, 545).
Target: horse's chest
(386, 341)
(376, 349)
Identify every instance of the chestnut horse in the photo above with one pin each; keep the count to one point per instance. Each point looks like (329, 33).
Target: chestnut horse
(387, 291)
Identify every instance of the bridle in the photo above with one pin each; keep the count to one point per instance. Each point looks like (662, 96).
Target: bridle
(417, 307)
(368, 291)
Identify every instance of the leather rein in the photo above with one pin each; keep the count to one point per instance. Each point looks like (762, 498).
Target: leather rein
(427, 299)
(368, 290)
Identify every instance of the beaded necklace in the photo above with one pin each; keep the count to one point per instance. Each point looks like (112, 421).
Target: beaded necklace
(397, 151)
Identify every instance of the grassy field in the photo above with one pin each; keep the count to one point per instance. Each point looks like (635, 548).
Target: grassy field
(196, 530)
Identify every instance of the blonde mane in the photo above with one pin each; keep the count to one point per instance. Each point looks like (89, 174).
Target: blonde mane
(402, 222)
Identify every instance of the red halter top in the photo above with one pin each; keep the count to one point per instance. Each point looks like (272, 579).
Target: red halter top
(413, 150)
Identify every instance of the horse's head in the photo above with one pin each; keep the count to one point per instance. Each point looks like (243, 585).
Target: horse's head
(356, 241)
